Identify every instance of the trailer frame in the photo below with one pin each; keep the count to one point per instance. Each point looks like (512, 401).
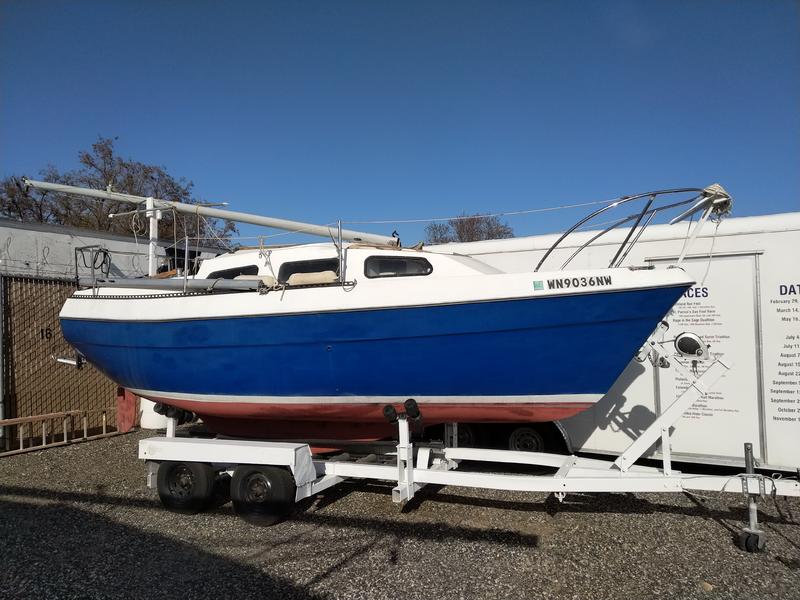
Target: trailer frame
(411, 465)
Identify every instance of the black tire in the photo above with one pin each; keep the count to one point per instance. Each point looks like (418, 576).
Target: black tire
(526, 439)
(185, 487)
(467, 435)
(751, 542)
(221, 491)
(262, 495)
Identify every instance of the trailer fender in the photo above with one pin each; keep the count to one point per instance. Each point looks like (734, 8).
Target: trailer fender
(565, 436)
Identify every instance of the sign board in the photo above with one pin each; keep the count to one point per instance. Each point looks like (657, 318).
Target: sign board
(722, 309)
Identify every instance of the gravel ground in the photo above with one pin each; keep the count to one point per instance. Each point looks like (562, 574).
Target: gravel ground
(78, 521)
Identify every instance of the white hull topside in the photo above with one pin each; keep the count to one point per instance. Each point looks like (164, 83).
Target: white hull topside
(454, 280)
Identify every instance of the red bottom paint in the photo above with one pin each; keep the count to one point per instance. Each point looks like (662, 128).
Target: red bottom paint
(356, 421)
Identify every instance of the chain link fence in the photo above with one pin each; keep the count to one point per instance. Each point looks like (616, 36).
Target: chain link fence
(34, 383)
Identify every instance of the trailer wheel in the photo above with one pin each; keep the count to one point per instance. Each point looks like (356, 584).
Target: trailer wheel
(262, 495)
(751, 542)
(525, 439)
(185, 487)
(221, 491)
(467, 436)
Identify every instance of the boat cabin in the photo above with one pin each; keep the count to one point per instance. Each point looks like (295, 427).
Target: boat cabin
(321, 264)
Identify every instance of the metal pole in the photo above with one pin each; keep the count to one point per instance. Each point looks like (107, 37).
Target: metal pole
(698, 387)
(666, 451)
(632, 229)
(152, 267)
(171, 426)
(751, 538)
(341, 251)
(451, 441)
(216, 213)
(752, 504)
(405, 460)
(185, 262)
(2, 369)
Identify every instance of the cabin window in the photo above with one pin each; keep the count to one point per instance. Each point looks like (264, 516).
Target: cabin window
(396, 266)
(307, 266)
(234, 272)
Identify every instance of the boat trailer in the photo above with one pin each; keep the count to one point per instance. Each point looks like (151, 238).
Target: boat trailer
(267, 478)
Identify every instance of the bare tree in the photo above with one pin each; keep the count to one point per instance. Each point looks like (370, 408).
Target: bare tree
(468, 228)
(102, 168)
(439, 233)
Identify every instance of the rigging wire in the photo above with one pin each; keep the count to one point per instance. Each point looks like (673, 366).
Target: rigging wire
(688, 232)
(710, 253)
(208, 226)
(500, 214)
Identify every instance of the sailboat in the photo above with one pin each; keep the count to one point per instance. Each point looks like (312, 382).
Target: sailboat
(315, 340)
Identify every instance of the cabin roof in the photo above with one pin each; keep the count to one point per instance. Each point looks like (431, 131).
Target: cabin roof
(271, 258)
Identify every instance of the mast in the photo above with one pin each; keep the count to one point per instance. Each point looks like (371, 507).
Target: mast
(217, 213)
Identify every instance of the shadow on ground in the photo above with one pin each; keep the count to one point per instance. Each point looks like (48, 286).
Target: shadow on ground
(399, 527)
(590, 503)
(62, 551)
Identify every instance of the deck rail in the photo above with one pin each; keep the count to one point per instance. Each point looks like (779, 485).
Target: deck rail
(712, 200)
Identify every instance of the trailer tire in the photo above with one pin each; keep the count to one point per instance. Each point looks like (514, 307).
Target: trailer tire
(751, 542)
(220, 491)
(467, 435)
(526, 439)
(185, 487)
(262, 495)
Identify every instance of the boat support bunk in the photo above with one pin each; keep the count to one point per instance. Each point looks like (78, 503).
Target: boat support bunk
(267, 478)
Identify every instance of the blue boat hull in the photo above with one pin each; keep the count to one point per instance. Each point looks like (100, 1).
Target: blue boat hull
(572, 345)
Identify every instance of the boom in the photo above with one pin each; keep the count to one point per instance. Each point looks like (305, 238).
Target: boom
(217, 213)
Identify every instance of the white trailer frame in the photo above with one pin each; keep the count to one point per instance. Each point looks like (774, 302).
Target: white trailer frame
(418, 465)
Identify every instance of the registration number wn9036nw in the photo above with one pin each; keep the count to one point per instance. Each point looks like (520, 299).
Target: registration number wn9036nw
(577, 282)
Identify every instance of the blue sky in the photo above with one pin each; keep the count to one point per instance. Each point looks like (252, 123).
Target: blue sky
(400, 110)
